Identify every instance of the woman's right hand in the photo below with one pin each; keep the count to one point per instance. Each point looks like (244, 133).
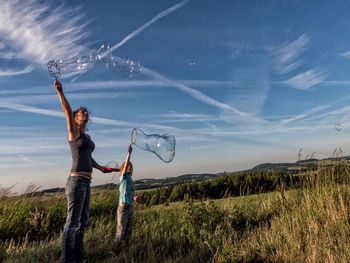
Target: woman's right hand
(58, 86)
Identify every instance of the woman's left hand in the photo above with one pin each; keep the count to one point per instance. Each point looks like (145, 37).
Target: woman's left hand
(108, 170)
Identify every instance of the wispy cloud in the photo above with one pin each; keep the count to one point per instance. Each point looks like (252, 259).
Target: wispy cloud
(73, 72)
(109, 84)
(316, 119)
(144, 26)
(117, 84)
(40, 32)
(324, 83)
(105, 121)
(13, 72)
(7, 53)
(202, 147)
(346, 54)
(201, 136)
(191, 134)
(303, 115)
(307, 79)
(286, 57)
(333, 116)
(183, 117)
(39, 99)
(28, 161)
(30, 109)
(97, 120)
(251, 83)
(199, 84)
(288, 61)
(29, 145)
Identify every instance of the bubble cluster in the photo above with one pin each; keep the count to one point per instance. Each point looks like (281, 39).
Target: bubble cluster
(125, 66)
(192, 63)
(70, 67)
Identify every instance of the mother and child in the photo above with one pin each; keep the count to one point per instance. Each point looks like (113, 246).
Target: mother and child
(78, 184)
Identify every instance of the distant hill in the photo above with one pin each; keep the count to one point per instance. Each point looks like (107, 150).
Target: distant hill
(185, 178)
(286, 167)
(297, 166)
(149, 183)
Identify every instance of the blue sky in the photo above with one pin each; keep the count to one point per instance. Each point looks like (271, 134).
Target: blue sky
(237, 83)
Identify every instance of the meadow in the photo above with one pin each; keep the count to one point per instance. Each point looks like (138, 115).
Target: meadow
(306, 222)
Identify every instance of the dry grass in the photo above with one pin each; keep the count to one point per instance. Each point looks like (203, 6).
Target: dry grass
(310, 224)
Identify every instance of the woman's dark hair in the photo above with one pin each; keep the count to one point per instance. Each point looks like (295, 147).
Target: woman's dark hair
(81, 108)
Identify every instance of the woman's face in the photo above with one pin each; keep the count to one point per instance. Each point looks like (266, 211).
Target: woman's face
(82, 117)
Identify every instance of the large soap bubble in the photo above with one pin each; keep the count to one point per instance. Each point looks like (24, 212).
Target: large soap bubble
(78, 65)
(161, 145)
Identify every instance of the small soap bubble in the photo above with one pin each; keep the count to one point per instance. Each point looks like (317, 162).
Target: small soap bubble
(112, 164)
(338, 127)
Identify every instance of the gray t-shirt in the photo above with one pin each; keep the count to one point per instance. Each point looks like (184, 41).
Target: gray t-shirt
(82, 149)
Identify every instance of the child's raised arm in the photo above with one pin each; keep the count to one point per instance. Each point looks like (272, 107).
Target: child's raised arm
(127, 161)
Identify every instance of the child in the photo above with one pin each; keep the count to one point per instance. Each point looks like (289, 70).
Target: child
(126, 199)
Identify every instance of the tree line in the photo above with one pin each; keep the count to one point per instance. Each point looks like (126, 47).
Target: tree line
(249, 182)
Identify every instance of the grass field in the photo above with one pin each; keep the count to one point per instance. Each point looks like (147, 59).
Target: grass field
(310, 224)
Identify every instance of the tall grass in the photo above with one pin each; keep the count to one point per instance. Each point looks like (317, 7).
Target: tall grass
(309, 224)
(312, 226)
(179, 232)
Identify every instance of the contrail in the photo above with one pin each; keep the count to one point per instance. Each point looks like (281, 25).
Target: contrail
(243, 116)
(7, 73)
(143, 27)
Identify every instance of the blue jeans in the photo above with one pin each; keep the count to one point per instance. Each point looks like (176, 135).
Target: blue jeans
(78, 197)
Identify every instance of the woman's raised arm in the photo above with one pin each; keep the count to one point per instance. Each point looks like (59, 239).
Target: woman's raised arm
(73, 132)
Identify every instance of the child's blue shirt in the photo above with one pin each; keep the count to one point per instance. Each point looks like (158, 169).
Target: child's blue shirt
(126, 189)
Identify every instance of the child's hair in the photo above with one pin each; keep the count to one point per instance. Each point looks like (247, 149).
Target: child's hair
(130, 165)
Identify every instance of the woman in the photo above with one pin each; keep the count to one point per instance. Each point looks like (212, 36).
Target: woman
(78, 183)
